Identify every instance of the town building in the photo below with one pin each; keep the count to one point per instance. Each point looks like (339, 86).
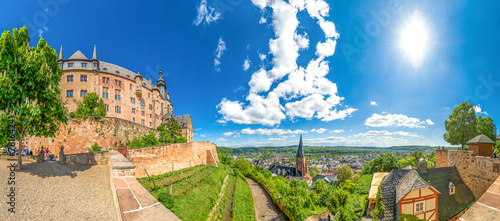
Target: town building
(126, 95)
(428, 193)
(294, 173)
(481, 145)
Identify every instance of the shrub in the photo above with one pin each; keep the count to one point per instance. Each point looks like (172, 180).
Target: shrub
(166, 199)
(95, 148)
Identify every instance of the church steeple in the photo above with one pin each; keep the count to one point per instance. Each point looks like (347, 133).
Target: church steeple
(300, 151)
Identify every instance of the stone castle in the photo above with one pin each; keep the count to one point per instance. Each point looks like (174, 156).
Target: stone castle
(134, 105)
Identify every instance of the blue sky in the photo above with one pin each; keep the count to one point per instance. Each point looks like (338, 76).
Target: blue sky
(260, 72)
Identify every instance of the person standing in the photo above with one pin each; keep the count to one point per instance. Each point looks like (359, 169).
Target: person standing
(47, 153)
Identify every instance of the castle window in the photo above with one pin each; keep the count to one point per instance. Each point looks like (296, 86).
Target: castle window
(132, 100)
(105, 69)
(70, 65)
(105, 92)
(107, 107)
(150, 123)
(133, 110)
(69, 78)
(107, 80)
(117, 95)
(143, 104)
(83, 93)
(148, 95)
(69, 93)
(118, 109)
(419, 207)
(133, 119)
(452, 188)
(84, 65)
(119, 83)
(83, 78)
(130, 87)
(95, 65)
(151, 107)
(142, 113)
(142, 122)
(150, 116)
(103, 80)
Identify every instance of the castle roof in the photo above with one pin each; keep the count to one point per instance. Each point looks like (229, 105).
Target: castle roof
(480, 139)
(183, 120)
(300, 151)
(78, 55)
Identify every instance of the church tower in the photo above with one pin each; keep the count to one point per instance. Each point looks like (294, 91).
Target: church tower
(301, 160)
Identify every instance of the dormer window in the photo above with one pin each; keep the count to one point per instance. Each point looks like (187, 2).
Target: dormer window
(70, 65)
(452, 188)
(117, 72)
(84, 65)
(105, 69)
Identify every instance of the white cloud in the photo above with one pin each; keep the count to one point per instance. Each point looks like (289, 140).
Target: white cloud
(385, 133)
(227, 134)
(326, 49)
(373, 103)
(221, 139)
(260, 81)
(262, 20)
(336, 131)
(306, 91)
(276, 139)
(203, 135)
(429, 121)
(239, 89)
(246, 64)
(262, 56)
(206, 14)
(264, 131)
(221, 47)
(478, 110)
(396, 120)
(319, 131)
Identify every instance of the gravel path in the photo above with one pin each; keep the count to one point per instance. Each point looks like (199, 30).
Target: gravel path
(264, 209)
(52, 191)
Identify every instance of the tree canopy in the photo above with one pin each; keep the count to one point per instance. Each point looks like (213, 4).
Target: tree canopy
(413, 159)
(344, 173)
(486, 126)
(29, 79)
(91, 107)
(385, 162)
(461, 125)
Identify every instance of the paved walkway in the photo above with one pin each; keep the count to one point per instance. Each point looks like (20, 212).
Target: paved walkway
(263, 203)
(136, 203)
(487, 207)
(53, 191)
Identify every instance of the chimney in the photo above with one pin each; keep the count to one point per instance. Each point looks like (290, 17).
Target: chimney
(422, 166)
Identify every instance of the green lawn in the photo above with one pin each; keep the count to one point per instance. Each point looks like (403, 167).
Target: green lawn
(243, 201)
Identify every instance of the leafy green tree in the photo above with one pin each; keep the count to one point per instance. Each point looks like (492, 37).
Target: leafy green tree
(386, 162)
(379, 210)
(413, 159)
(29, 89)
(180, 140)
(150, 140)
(348, 186)
(4, 129)
(344, 173)
(314, 171)
(432, 159)
(355, 178)
(90, 108)
(339, 203)
(363, 185)
(486, 126)
(461, 125)
(320, 185)
(136, 143)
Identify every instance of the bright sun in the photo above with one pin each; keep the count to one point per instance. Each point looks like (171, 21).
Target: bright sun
(414, 39)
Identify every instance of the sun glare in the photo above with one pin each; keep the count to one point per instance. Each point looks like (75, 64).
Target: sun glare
(414, 39)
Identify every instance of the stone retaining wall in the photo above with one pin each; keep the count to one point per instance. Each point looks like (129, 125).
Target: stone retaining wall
(78, 135)
(91, 158)
(167, 158)
(477, 172)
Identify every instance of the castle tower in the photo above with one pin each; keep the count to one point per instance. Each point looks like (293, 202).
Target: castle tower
(161, 84)
(95, 62)
(301, 160)
(61, 58)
